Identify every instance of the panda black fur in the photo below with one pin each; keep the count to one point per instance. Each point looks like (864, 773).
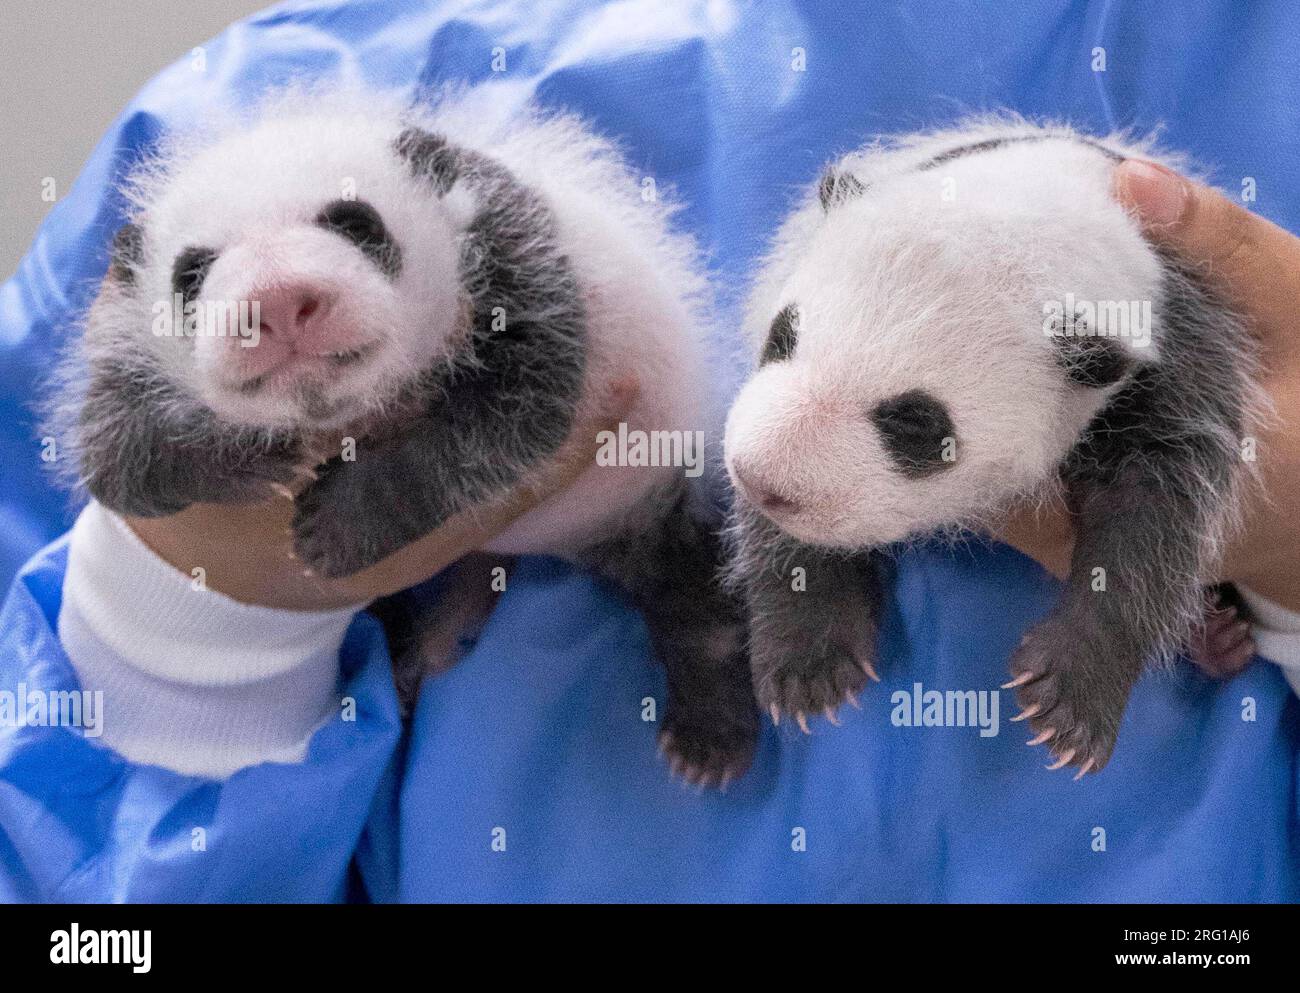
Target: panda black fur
(455, 288)
(911, 382)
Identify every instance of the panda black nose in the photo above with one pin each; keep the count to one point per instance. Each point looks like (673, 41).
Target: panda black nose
(761, 494)
(916, 431)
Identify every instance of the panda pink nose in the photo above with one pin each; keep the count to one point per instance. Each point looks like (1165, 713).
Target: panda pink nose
(294, 312)
(761, 494)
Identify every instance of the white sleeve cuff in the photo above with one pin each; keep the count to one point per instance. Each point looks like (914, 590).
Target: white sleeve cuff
(1277, 634)
(192, 680)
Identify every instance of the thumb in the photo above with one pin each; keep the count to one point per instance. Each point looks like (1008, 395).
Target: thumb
(1253, 262)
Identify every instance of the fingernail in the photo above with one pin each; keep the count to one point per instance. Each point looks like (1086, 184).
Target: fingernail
(1158, 194)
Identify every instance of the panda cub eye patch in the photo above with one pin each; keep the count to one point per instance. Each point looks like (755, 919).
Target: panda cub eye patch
(361, 224)
(190, 270)
(782, 337)
(914, 426)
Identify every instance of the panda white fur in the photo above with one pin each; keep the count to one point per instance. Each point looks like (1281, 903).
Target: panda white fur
(918, 374)
(455, 286)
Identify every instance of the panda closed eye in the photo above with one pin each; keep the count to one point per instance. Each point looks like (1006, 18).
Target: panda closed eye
(782, 337)
(190, 270)
(361, 224)
(915, 427)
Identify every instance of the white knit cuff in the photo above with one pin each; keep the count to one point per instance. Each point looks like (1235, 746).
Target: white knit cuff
(192, 680)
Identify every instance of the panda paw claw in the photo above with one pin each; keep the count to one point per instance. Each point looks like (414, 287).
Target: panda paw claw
(810, 685)
(1221, 646)
(707, 756)
(1076, 718)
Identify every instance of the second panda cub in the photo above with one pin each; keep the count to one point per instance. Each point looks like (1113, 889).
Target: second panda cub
(455, 288)
(954, 324)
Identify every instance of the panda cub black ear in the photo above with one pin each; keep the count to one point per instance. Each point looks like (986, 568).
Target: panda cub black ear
(1093, 361)
(837, 187)
(430, 157)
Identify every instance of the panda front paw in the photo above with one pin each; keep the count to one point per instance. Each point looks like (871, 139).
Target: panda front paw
(341, 525)
(802, 678)
(1072, 692)
(173, 478)
(1221, 645)
(710, 745)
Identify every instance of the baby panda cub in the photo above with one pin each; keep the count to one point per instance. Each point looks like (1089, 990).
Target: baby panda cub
(452, 290)
(948, 326)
